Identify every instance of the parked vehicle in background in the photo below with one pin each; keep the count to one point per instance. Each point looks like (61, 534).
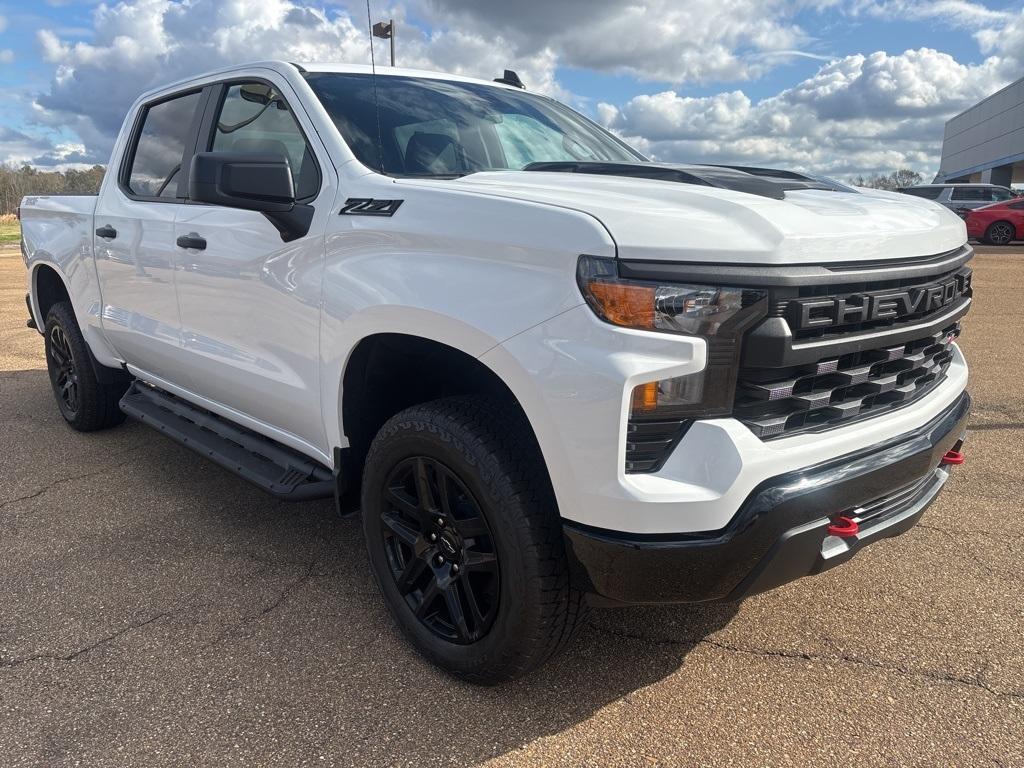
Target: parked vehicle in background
(961, 197)
(998, 224)
(559, 374)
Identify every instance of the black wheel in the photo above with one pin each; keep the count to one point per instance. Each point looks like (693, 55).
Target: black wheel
(465, 539)
(1000, 233)
(86, 403)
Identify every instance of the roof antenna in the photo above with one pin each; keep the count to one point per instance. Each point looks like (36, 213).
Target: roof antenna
(510, 78)
(376, 101)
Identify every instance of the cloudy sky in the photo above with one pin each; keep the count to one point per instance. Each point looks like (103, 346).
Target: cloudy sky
(833, 86)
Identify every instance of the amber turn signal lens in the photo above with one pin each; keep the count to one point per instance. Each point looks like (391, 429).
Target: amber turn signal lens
(645, 398)
(624, 304)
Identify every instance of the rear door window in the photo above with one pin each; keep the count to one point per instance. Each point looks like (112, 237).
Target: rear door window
(930, 193)
(975, 194)
(160, 147)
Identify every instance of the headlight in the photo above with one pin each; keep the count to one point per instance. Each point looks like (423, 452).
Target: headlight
(717, 313)
(696, 310)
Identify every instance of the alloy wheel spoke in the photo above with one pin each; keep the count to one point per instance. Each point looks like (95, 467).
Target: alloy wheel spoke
(474, 606)
(423, 486)
(398, 526)
(427, 599)
(402, 502)
(57, 355)
(444, 498)
(455, 612)
(411, 574)
(471, 527)
(481, 561)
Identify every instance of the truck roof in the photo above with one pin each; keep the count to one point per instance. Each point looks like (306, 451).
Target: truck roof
(341, 67)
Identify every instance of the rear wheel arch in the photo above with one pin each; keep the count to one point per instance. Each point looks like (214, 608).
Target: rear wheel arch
(48, 288)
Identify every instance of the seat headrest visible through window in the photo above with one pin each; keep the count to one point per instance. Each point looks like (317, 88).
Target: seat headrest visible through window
(260, 147)
(432, 153)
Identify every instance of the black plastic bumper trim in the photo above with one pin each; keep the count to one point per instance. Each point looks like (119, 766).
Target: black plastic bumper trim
(749, 554)
(31, 323)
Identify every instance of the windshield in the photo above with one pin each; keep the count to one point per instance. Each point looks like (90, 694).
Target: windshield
(444, 128)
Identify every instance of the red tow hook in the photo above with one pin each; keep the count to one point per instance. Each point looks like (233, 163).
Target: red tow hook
(843, 527)
(953, 457)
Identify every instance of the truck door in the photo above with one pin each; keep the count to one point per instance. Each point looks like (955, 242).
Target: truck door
(250, 302)
(134, 238)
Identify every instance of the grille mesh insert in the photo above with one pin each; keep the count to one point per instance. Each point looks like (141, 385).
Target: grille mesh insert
(775, 402)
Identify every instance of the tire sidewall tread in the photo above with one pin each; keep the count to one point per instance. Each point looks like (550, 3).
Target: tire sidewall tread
(490, 447)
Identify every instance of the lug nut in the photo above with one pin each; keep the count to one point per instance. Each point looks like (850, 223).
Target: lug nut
(440, 522)
(455, 568)
(440, 560)
(433, 537)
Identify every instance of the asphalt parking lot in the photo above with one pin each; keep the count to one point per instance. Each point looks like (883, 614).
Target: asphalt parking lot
(155, 610)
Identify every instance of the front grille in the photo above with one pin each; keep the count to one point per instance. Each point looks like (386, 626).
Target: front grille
(833, 391)
(782, 304)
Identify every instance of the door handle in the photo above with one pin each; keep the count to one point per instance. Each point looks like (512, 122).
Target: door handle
(192, 240)
(106, 231)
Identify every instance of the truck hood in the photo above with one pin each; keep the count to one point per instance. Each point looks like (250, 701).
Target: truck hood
(668, 221)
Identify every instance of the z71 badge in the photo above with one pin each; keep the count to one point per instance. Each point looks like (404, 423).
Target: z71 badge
(367, 206)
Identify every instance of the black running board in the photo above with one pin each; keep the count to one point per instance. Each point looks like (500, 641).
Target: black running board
(275, 468)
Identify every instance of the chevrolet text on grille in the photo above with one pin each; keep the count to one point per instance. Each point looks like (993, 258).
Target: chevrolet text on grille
(877, 305)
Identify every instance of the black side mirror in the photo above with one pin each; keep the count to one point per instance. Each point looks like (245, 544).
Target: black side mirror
(252, 182)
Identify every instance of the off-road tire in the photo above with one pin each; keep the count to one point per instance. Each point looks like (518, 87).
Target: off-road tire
(488, 446)
(95, 402)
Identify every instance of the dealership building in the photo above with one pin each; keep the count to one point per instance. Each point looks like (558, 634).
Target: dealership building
(986, 142)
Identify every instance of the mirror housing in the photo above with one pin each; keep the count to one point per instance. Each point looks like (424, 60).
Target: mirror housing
(240, 180)
(252, 182)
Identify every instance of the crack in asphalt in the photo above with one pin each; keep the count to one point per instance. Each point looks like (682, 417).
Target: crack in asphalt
(996, 425)
(954, 532)
(976, 681)
(17, 662)
(959, 541)
(282, 596)
(64, 480)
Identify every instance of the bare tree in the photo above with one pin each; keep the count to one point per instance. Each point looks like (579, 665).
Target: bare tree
(904, 177)
(15, 183)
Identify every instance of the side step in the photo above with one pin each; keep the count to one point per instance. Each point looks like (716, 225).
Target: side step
(275, 468)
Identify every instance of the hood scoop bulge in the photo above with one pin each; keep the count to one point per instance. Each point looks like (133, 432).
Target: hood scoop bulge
(765, 182)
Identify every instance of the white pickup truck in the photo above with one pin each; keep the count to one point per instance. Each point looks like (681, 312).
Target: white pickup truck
(559, 374)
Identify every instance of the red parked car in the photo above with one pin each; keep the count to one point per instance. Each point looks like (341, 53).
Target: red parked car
(997, 224)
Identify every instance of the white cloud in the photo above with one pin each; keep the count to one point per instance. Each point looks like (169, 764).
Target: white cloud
(3, 23)
(6, 56)
(664, 40)
(139, 44)
(858, 113)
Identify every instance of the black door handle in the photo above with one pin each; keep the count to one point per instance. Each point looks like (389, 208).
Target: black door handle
(192, 240)
(106, 231)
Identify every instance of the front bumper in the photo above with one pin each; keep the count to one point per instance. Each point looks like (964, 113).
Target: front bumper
(778, 534)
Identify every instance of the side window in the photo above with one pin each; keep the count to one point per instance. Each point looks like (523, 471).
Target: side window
(156, 163)
(999, 195)
(929, 193)
(968, 193)
(254, 118)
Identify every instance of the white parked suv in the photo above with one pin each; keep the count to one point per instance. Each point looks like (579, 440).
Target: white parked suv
(559, 374)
